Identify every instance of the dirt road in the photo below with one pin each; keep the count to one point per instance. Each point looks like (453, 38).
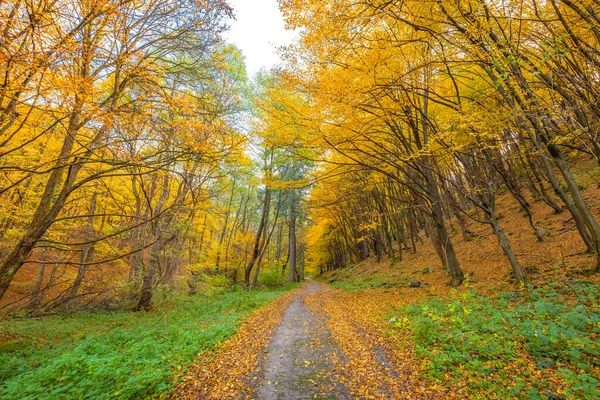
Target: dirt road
(303, 361)
(312, 343)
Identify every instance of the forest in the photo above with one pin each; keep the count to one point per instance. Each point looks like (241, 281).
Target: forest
(415, 188)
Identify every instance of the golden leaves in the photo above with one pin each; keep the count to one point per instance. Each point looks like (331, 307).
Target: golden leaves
(226, 372)
(375, 370)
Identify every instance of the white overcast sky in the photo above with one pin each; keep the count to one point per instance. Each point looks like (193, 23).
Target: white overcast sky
(257, 30)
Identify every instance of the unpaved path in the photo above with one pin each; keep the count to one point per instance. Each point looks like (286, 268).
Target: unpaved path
(311, 343)
(303, 361)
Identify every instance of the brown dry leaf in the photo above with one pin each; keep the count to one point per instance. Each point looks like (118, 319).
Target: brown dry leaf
(227, 372)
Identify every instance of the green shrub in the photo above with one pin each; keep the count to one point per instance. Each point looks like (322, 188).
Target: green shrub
(213, 285)
(476, 337)
(272, 277)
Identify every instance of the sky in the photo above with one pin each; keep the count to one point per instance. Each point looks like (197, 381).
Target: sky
(257, 30)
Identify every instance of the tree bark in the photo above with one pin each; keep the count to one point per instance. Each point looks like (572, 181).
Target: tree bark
(257, 240)
(86, 249)
(293, 274)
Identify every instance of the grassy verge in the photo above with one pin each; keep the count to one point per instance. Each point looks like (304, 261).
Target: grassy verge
(117, 355)
(541, 344)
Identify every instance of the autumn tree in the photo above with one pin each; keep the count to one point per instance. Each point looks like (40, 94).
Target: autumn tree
(107, 90)
(441, 97)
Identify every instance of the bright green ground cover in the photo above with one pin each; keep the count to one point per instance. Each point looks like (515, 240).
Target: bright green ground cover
(117, 355)
(488, 345)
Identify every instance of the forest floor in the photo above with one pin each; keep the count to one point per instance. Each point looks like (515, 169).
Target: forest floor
(304, 346)
(319, 342)
(363, 333)
(303, 361)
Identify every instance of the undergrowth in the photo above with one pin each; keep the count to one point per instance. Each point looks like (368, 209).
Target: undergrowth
(351, 281)
(117, 355)
(541, 344)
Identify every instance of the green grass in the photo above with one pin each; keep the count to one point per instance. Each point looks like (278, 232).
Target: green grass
(490, 343)
(117, 355)
(350, 280)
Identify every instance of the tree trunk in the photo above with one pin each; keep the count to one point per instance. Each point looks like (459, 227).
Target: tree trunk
(266, 241)
(449, 259)
(257, 241)
(293, 274)
(86, 249)
(148, 280)
(37, 294)
(518, 271)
